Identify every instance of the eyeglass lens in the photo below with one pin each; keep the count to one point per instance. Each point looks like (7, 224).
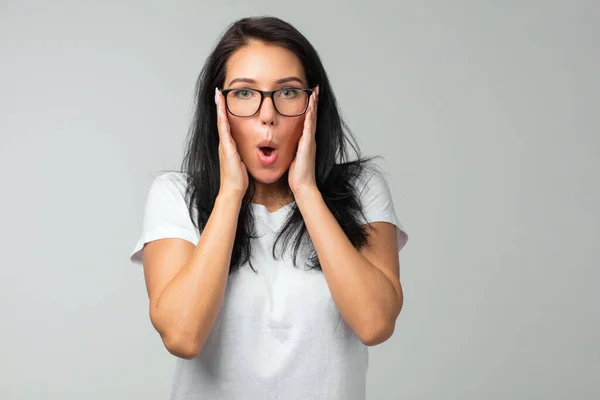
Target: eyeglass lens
(288, 102)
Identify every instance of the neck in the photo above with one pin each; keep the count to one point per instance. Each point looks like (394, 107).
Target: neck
(268, 194)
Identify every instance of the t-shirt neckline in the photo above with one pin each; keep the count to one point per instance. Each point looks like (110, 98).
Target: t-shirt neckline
(263, 209)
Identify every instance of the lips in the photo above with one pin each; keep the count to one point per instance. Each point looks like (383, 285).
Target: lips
(267, 153)
(266, 144)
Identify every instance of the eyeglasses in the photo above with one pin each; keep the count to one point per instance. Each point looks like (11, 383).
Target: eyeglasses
(245, 102)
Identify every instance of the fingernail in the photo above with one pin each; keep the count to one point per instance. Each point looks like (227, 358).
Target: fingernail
(216, 94)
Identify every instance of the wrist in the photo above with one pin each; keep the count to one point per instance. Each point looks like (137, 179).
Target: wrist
(307, 195)
(230, 197)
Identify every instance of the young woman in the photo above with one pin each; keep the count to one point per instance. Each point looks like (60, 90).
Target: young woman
(271, 260)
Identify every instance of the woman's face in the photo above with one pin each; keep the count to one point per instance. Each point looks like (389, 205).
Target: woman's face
(265, 67)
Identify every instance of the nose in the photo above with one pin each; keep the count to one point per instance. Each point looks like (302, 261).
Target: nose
(267, 113)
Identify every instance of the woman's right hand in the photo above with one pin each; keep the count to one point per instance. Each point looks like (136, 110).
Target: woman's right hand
(234, 175)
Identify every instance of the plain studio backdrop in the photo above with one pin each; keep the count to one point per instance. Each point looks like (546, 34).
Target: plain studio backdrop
(486, 114)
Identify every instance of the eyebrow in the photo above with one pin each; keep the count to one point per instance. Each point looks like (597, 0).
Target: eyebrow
(279, 81)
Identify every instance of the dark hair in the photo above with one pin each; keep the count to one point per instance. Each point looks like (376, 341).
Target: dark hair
(335, 172)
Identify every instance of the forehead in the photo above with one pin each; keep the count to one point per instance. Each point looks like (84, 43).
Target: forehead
(265, 63)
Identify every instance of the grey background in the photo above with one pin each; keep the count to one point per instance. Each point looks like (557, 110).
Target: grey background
(487, 114)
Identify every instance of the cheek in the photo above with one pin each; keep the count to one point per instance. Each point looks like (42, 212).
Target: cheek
(293, 127)
(288, 134)
(237, 127)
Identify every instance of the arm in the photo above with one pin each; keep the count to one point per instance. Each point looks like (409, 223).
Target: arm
(186, 284)
(365, 285)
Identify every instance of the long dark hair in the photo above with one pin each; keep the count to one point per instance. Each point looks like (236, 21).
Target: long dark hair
(336, 174)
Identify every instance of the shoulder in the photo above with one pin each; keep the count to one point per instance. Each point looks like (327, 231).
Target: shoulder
(370, 180)
(166, 212)
(377, 200)
(172, 181)
(168, 195)
(367, 180)
(170, 186)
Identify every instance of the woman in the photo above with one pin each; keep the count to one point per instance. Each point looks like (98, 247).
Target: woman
(271, 260)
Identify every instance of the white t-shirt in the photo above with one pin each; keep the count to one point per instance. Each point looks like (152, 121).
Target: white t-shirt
(279, 334)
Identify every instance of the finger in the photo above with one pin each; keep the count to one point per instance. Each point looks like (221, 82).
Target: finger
(225, 138)
(314, 111)
(222, 122)
(309, 119)
(220, 119)
(308, 115)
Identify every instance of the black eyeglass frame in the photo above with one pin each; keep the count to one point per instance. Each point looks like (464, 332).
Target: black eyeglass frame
(267, 93)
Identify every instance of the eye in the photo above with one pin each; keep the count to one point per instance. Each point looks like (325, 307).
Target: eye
(243, 93)
(289, 93)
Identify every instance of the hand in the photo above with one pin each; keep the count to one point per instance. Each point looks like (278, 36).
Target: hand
(234, 175)
(301, 175)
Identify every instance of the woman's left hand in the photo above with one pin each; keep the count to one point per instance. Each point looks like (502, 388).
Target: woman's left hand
(301, 175)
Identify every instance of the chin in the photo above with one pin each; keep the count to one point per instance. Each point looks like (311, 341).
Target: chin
(267, 175)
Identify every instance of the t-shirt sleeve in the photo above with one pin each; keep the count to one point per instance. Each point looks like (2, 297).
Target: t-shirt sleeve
(377, 202)
(165, 214)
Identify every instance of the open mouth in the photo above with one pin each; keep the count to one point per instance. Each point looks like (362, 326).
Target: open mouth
(267, 155)
(267, 150)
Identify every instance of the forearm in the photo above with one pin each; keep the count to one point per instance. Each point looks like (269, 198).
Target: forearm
(365, 296)
(187, 309)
